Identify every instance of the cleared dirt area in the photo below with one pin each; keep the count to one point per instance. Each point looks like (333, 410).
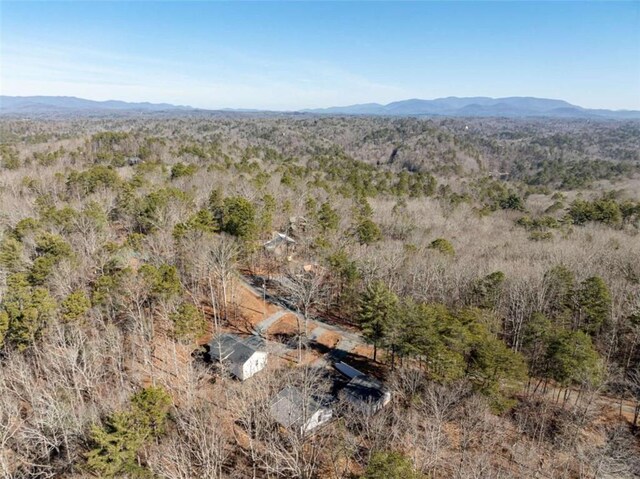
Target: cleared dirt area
(329, 339)
(250, 313)
(251, 307)
(287, 325)
(365, 350)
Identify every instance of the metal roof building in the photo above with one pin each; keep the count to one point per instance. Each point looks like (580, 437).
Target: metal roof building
(366, 394)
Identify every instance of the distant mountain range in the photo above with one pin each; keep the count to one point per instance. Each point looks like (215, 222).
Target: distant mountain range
(512, 107)
(34, 105)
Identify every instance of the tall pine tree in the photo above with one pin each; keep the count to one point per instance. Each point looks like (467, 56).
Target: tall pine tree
(377, 314)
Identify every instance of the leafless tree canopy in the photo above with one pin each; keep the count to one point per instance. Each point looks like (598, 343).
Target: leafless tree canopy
(494, 264)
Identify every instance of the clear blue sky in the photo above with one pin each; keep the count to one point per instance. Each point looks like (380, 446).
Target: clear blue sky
(299, 55)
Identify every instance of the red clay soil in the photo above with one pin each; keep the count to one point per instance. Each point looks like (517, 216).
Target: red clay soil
(252, 308)
(308, 357)
(329, 339)
(366, 350)
(286, 325)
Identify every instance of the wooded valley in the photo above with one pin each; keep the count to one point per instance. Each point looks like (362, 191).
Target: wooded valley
(485, 273)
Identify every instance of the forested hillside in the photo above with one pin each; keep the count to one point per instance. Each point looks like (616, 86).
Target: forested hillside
(487, 271)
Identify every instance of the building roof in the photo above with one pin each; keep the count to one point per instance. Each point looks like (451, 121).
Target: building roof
(256, 342)
(364, 389)
(279, 239)
(229, 347)
(288, 407)
(348, 371)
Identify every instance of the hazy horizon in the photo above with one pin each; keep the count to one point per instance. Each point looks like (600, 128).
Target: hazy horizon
(292, 56)
(329, 107)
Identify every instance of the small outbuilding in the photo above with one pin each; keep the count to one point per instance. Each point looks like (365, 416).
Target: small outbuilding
(366, 394)
(291, 409)
(280, 245)
(243, 357)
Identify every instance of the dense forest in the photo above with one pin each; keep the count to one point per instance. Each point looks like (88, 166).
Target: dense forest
(486, 271)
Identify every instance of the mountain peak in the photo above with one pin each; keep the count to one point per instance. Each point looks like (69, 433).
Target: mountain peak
(514, 106)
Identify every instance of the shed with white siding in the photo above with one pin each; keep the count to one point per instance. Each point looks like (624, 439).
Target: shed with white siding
(243, 358)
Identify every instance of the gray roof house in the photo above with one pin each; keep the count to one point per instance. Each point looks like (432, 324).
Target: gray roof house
(243, 357)
(280, 245)
(366, 394)
(291, 409)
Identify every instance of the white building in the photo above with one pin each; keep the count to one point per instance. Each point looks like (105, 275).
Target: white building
(292, 409)
(243, 358)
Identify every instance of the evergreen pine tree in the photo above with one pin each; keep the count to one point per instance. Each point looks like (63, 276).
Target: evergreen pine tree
(378, 310)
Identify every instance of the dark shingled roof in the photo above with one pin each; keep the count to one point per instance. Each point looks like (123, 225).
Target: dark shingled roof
(229, 347)
(364, 389)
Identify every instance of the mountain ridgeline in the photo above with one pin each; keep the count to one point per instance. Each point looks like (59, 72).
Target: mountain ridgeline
(43, 105)
(511, 107)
